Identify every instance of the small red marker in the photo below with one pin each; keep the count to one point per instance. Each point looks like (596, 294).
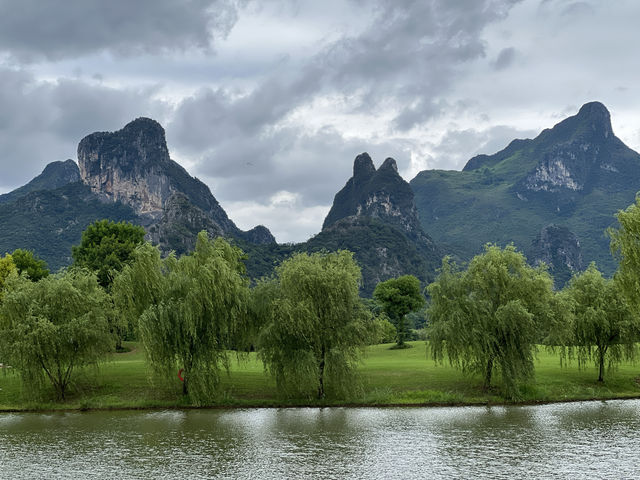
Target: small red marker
(180, 374)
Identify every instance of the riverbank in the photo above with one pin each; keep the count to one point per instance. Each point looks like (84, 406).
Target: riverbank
(388, 378)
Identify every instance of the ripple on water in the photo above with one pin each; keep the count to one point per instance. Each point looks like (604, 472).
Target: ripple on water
(576, 440)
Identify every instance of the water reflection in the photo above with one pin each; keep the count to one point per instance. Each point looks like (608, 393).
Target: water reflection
(578, 440)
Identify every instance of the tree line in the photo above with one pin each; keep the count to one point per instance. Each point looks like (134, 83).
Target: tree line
(306, 322)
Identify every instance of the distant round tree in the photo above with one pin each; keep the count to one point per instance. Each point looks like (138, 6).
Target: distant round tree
(29, 264)
(50, 328)
(489, 316)
(315, 324)
(399, 297)
(106, 247)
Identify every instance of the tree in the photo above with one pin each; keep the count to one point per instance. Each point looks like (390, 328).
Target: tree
(50, 328)
(604, 327)
(28, 263)
(489, 316)
(7, 268)
(316, 325)
(189, 309)
(625, 245)
(106, 247)
(398, 297)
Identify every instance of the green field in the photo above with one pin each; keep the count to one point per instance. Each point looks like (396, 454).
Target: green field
(388, 377)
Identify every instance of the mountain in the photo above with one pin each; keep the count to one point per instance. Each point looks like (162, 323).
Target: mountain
(559, 248)
(132, 166)
(577, 174)
(55, 175)
(123, 175)
(375, 216)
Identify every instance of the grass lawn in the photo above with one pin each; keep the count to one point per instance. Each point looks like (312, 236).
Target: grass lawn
(387, 377)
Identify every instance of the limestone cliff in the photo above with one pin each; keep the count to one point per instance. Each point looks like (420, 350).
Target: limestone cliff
(133, 166)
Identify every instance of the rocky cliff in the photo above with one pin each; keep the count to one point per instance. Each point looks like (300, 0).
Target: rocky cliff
(374, 215)
(577, 174)
(132, 166)
(559, 248)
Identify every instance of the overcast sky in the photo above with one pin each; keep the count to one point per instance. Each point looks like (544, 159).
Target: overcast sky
(269, 102)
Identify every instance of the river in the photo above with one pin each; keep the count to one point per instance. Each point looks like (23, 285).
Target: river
(570, 440)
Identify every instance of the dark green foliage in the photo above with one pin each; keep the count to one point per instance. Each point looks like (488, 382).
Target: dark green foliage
(29, 264)
(50, 328)
(50, 222)
(106, 247)
(603, 329)
(315, 324)
(489, 316)
(399, 297)
(381, 250)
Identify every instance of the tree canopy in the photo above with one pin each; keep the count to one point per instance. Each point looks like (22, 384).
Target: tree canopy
(189, 310)
(399, 297)
(7, 268)
(315, 325)
(604, 329)
(106, 247)
(28, 263)
(625, 244)
(488, 317)
(50, 328)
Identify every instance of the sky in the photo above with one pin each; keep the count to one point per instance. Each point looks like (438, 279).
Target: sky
(269, 102)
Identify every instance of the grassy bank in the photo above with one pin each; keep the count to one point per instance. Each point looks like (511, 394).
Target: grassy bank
(387, 376)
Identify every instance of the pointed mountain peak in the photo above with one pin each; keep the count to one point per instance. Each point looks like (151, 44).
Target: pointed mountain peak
(363, 165)
(389, 164)
(597, 117)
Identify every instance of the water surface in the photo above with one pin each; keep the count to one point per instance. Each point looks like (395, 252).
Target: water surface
(574, 440)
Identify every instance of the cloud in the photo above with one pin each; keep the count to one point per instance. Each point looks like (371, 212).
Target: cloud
(43, 121)
(31, 30)
(505, 58)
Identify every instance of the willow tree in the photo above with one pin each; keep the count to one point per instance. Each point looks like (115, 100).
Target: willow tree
(316, 326)
(399, 297)
(625, 245)
(604, 329)
(7, 269)
(51, 328)
(189, 310)
(488, 317)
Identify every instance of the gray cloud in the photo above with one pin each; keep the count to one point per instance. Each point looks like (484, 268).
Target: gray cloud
(505, 58)
(32, 29)
(41, 122)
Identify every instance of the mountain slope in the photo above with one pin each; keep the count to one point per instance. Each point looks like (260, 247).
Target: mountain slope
(54, 175)
(577, 175)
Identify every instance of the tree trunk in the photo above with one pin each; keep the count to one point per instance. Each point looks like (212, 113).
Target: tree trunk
(487, 373)
(401, 331)
(321, 375)
(601, 354)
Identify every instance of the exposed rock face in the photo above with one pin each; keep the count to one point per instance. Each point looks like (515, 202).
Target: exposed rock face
(375, 216)
(381, 194)
(559, 248)
(132, 166)
(577, 174)
(54, 175)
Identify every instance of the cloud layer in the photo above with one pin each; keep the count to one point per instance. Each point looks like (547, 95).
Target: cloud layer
(269, 102)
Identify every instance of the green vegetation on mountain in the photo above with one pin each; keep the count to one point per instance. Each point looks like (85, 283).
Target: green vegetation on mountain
(49, 222)
(577, 175)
